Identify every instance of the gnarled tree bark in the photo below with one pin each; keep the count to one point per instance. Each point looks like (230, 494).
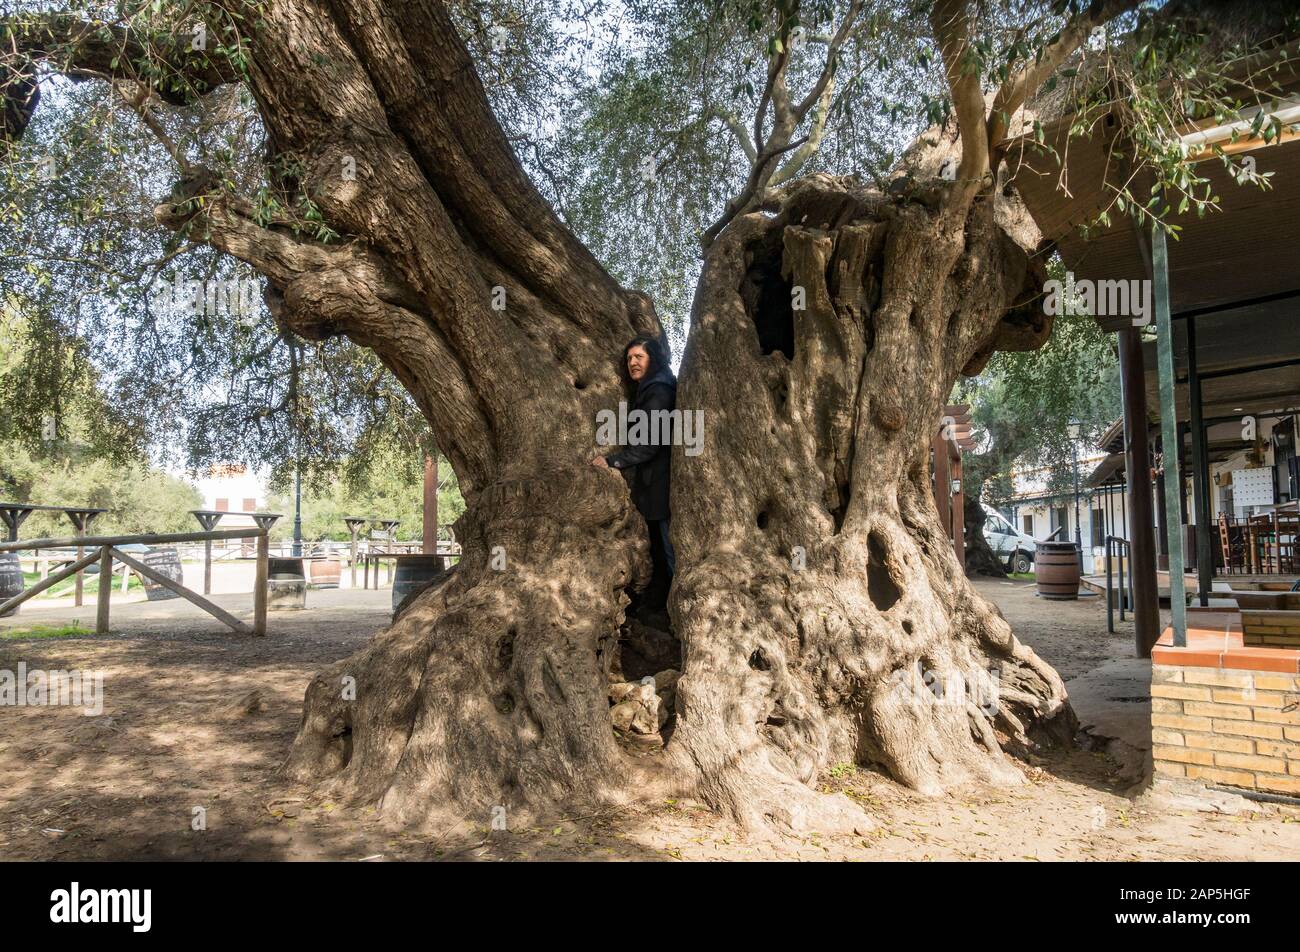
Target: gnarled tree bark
(980, 557)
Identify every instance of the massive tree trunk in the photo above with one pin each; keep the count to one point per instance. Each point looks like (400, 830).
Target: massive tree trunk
(824, 614)
(821, 612)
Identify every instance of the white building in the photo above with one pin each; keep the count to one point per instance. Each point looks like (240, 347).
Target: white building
(235, 489)
(1042, 514)
(1253, 465)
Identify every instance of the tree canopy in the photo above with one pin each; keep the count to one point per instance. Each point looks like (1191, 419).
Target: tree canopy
(648, 125)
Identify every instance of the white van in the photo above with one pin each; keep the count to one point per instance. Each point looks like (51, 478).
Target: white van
(1013, 547)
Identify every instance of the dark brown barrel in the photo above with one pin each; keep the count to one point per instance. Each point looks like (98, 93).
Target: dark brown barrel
(1056, 569)
(414, 572)
(11, 578)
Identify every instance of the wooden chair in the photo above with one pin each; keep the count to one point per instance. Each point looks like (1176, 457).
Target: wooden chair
(1286, 527)
(1259, 532)
(1233, 546)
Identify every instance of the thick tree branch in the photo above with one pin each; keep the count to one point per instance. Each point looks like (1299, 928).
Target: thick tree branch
(1025, 82)
(818, 92)
(740, 132)
(951, 28)
(318, 291)
(754, 189)
(457, 139)
(794, 165)
(95, 49)
(787, 116)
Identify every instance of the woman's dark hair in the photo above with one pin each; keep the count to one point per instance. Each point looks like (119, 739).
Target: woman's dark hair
(654, 348)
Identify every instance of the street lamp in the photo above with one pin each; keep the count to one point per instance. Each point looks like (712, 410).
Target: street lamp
(1075, 429)
(297, 513)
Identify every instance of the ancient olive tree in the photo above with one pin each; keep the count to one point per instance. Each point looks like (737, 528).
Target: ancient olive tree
(814, 586)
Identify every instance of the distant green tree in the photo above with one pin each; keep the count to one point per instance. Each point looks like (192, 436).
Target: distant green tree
(140, 498)
(388, 483)
(62, 443)
(1021, 406)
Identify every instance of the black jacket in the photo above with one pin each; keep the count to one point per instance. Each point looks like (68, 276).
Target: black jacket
(652, 462)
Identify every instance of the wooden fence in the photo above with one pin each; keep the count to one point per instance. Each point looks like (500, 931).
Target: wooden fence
(106, 552)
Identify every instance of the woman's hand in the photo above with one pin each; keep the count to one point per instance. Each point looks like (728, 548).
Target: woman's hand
(599, 463)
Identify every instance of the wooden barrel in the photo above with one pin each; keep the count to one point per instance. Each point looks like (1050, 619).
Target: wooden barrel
(414, 572)
(324, 572)
(165, 562)
(1056, 569)
(11, 578)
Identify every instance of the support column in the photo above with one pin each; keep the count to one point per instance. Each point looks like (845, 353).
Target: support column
(1139, 513)
(1200, 473)
(1161, 508)
(81, 520)
(208, 519)
(939, 448)
(959, 514)
(1169, 436)
(105, 589)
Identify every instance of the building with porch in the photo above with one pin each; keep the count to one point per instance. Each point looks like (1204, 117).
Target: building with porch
(1210, 390)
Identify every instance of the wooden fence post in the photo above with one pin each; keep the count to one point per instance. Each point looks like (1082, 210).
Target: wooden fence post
(80, 575)
(259, 592)
(207, 566)
(105, 589)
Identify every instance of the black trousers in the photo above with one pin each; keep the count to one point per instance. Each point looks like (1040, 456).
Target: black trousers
(656, 596)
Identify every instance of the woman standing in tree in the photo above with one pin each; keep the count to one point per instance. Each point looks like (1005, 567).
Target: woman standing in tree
(646, 363)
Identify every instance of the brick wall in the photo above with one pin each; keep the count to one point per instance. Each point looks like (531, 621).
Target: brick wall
(1227, 727)
(1271, 628)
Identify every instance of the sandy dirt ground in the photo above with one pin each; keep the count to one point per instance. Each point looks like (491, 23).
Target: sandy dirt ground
(175, 737)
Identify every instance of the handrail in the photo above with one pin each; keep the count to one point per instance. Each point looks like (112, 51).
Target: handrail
(1121, 548)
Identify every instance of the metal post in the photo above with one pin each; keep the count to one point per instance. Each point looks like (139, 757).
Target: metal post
(105, 589)
(1169, 437)
(259, 590)
(1078, 526)
(1125, 594)
(1110, 594)
(1123, 510)
(297, 513)
(1200, 473)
